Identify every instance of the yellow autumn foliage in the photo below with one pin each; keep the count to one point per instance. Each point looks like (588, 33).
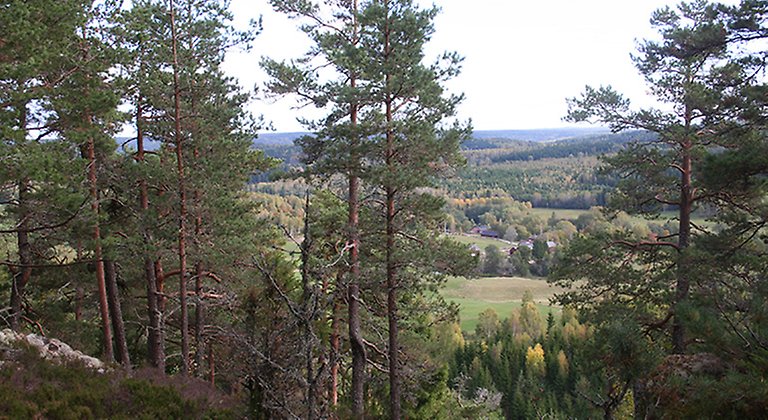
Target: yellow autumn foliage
(534, 359)
(562, 364)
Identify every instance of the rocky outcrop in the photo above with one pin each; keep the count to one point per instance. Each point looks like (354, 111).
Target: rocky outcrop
(49, 349)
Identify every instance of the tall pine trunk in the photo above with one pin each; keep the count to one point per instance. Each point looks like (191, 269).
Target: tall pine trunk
(684, 234)
(394, 369)
(161, 298)
(156, 331)
(353, 308)
(394, 374)
(24, 273)
(155, 336)
(97, 251)
(357, 344)
(199, 273)
(335, 347)
(116, 313)
(307, 315)
(182, 238)
(199, 268)
(199, 320)
(359, 358)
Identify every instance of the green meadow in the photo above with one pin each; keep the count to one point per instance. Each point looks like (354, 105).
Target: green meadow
(561, 214)
(479, 241)
(502, 294)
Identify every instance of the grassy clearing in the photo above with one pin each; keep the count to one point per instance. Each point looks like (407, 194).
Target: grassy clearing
(561, 214)
(479, 241)
(572, 214)
(502, 294)
(470, 311)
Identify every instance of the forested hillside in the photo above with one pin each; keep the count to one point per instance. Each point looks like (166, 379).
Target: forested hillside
(391, 261)
(560, 173)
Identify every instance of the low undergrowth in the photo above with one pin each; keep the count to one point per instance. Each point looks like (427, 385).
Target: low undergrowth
(34, 388)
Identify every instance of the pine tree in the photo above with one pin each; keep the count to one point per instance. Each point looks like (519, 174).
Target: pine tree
(139, 37)
(86, 116)
(339, 144)
(32, 68)
(705, 70)
(690, 70)
(411, 147)
(380, 84)
(64, 104)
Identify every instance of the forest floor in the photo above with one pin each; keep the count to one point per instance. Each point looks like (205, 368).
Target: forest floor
(502, 294)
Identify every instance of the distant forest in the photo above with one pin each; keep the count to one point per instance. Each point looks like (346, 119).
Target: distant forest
(548, 168)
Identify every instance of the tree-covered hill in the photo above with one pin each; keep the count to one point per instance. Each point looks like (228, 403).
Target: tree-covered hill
(559, 174)
(591, 145)
(544, 167)
(494, 137)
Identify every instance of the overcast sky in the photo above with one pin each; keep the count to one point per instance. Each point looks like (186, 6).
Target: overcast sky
(522, 58)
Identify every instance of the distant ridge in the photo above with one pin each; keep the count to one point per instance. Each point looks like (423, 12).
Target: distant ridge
(274, 139)
(544, 134)
(537, 135)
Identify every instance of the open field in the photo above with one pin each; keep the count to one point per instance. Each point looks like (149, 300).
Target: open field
(478, 240)
(559, 213)
(572, 214)
(502, 294)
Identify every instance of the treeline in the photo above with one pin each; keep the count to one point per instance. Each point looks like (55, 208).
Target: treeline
(556, 183)
(595, 145)
(562, 174)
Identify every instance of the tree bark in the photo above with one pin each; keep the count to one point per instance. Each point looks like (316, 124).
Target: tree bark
(100, 281)
(199, 301)
(155, 336)
(182, 238)
(683, 282)
(22, 276)
(353, 297)
(116, 313)
(359, 357)
(335, 347)
(307, 315)
(395, 408)
(155, 341)
(394, 368)
(199, 320)
(211, 365)
(79, 298)
(159, 288)
(639, 397)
